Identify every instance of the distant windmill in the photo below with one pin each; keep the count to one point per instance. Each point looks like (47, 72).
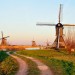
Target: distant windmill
(48, 43)
(33, 43)
(59, 41)
(3, 40)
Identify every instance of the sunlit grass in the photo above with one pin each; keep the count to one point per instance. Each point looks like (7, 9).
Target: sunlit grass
(8, 65)
(61, 63)
(32, 67)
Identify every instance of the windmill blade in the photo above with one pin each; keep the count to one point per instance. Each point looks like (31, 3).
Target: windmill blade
(2, 34)
(68, 24)
(60, 13)
(45, 24)
(6, 37)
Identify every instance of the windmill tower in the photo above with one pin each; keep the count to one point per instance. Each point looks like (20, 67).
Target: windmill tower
(3, 40)
(59, 41)
(33, 43)
(47, 43)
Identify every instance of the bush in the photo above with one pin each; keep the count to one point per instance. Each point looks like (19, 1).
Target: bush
(3, 55)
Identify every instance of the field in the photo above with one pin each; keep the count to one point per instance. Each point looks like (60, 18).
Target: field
(32, 67)
(60, 62)
(8, 65)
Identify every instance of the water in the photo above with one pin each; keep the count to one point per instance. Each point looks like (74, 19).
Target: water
(32, 48)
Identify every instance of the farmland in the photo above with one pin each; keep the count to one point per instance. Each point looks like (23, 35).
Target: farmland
(8, 65)
(32, 67)
(61, 63)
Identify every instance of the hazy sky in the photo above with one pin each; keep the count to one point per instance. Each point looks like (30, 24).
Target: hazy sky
(18, 19)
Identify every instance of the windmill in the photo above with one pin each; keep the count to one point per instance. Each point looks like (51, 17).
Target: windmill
(47, 43)
(3, 40)
(33, 43)
(59, 41)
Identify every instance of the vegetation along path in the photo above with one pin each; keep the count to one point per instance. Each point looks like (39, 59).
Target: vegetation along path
(42, 67)
(23, 67)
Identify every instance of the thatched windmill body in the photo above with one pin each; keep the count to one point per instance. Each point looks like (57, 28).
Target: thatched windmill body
(3, 40)
(59, 41)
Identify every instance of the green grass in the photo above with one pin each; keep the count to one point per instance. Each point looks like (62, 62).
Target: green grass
(3, 55)
(8, 65)
(32, 67)
(61, 62)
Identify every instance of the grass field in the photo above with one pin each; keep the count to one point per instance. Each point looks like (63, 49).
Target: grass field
(32, 67)
(8, 65)
(61, 63)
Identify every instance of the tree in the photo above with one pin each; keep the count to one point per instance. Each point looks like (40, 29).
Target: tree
(70, 38)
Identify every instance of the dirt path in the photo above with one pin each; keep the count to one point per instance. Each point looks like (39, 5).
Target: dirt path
(42, 67)
(22, 65)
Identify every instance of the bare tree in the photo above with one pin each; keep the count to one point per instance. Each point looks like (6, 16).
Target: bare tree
(70, 38)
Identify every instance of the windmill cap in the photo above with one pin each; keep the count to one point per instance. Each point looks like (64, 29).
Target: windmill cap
(59, 25)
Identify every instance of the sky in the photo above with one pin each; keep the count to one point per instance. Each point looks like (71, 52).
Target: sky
(18, 19)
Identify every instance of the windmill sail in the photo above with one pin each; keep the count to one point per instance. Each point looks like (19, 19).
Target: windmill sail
(45, 24)
(2, 34)
(3, 40)
(69, 24)
(59, 17)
